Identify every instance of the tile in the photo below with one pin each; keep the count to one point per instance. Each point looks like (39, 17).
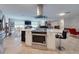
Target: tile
(13, 45)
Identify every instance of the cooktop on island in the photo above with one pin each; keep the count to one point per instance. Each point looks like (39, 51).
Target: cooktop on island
(39, 31)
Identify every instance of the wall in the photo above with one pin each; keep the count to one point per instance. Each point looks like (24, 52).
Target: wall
(74, 23)
(59, 22)
(35, 22)
(1, 14)
(54, 23)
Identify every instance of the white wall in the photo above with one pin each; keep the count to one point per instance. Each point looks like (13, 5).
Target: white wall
(74, 23)
(55, 23)
(58, 22)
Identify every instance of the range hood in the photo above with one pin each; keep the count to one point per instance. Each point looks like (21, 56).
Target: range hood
(40, 11)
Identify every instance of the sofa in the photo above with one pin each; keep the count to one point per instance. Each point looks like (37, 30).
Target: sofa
(73, 31)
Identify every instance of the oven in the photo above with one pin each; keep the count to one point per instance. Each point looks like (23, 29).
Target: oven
(39, 37)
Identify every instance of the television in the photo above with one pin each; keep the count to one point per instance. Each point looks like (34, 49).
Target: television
(27, 22)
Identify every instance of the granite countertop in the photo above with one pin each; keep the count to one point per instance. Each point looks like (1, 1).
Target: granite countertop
(39, 30)
(45, 30)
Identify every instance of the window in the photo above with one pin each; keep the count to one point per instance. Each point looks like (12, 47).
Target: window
(35, 23)
(19, 24)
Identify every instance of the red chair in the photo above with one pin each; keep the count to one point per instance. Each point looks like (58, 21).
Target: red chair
(73, 31)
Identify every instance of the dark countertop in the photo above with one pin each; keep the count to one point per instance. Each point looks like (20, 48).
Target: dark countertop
(39, 32)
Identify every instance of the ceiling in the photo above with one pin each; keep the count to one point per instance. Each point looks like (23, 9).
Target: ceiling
(50, 10)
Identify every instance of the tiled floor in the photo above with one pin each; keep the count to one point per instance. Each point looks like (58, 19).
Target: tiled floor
(13, 45)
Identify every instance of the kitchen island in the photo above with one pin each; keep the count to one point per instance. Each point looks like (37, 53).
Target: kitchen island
(46, 38)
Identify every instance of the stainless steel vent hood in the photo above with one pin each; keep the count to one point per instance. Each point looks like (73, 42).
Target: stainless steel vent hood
(40, 11)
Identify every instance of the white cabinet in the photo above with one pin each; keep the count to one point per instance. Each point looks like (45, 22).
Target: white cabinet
(28, 37)
(51, 40)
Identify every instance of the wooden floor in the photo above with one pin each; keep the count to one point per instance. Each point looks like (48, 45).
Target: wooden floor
(13, 45)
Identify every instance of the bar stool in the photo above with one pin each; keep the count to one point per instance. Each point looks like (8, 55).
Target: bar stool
(60, 36)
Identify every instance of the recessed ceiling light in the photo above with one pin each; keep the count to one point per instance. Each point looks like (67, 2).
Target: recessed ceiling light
(64, 13)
